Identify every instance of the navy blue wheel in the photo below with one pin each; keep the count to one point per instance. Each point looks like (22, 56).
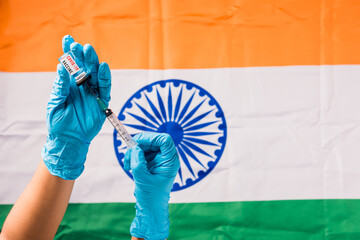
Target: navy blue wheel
(191, 116)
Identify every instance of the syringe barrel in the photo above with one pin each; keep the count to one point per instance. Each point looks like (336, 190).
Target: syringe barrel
(120, 128)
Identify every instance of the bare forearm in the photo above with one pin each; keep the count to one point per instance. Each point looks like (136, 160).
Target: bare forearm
(40, 208)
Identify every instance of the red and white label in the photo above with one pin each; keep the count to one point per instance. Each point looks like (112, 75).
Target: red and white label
(69, 63)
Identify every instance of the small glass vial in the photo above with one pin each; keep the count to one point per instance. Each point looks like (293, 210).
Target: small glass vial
(74, 68)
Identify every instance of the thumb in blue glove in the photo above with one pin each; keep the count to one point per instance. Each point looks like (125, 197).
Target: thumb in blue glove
(73, 116)
(154, 163)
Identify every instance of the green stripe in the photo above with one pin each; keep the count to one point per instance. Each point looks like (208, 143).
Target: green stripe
(270, 220)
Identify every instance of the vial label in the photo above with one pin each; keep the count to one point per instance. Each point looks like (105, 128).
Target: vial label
(69, 63)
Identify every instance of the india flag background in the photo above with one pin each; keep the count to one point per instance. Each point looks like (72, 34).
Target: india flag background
(261, 97)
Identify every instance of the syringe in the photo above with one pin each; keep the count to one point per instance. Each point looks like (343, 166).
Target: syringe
(114, 121)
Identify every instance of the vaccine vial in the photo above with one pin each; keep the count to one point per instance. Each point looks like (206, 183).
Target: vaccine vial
(75, 69)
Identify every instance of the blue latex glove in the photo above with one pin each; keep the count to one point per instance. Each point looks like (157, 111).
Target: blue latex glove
(154, 163)
(73, 116)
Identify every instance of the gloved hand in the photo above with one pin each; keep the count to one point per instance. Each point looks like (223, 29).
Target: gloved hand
(73, 116)
(154, 163)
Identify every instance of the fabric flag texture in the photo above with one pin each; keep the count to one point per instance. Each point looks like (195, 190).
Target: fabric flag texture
(261, 98)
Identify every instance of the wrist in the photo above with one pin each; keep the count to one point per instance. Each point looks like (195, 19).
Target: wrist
(152, 218)
(64, 157)
(150, 225)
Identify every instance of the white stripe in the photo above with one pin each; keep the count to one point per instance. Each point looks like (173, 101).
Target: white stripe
(292, 134)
